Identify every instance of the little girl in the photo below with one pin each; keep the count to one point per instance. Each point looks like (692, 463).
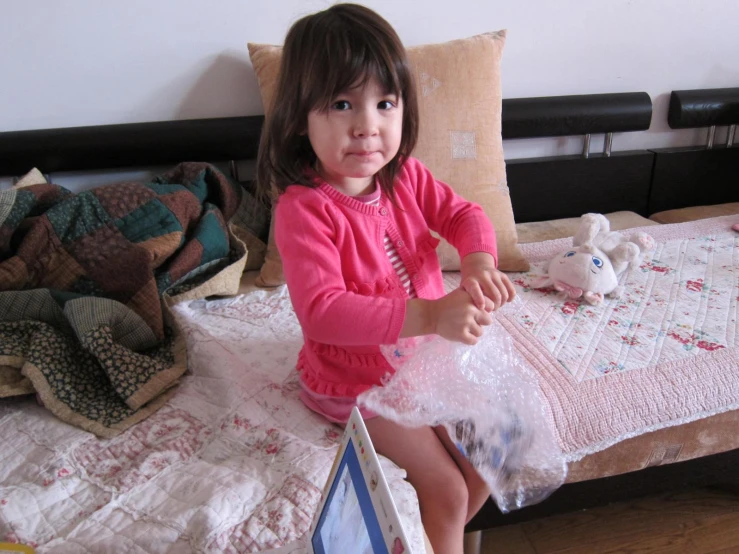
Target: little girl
(352, 227)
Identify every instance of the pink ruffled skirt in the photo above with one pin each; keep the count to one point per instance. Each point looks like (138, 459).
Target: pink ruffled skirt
(334, 408)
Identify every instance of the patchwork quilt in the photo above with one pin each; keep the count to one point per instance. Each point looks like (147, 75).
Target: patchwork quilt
(85, 280)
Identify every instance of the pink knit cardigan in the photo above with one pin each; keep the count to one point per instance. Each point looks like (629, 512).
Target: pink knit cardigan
(346, 294)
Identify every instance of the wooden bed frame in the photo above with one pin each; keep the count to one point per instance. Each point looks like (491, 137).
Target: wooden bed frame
(644, 181)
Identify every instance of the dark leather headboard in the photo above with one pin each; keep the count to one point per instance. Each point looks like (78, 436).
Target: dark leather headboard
(576, 115)
(703, 108)
(698, 175)
(568, 186)
(237, 138)
(131, 144)
(541, 188)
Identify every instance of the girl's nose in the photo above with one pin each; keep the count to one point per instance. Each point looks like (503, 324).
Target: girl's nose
(365, 124)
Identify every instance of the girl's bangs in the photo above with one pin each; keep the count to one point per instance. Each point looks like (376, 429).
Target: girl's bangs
(355, 70)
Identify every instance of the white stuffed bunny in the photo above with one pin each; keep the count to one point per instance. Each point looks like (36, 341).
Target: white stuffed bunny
(590, 269)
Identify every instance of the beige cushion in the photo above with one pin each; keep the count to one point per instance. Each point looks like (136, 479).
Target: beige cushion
(695, 212)
(460, 140)
(538, 231)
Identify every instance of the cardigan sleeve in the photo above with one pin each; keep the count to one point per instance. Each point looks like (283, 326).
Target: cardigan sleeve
(305, 233)
(462, 223)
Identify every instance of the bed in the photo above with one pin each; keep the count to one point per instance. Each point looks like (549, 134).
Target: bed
(232, 462)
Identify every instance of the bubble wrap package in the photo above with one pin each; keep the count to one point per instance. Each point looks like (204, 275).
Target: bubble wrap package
(488, 400)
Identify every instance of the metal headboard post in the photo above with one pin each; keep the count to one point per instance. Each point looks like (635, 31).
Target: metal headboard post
(711, 137)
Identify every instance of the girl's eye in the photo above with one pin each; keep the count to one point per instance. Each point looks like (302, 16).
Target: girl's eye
(341, 105)
(570, 254)
(597, 261)
(386, 105)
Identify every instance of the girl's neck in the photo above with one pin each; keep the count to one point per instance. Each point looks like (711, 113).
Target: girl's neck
(349, 186)
(357, 189)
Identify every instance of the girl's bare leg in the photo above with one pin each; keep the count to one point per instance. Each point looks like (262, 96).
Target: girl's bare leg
(439, 483)
(477, 489)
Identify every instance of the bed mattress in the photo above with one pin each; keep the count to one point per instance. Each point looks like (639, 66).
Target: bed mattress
(235, 463)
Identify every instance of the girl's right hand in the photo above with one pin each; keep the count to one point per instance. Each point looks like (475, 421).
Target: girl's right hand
(456, 317)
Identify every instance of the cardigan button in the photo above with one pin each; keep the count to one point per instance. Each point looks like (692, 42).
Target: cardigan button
(383, 211)
(400, 244)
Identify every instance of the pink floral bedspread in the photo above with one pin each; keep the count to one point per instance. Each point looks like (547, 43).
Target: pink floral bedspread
(233, 463)
(663, 354)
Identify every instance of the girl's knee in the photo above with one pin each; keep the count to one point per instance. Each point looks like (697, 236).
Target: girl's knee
(476, 484)
(449, 499)
(457, 499)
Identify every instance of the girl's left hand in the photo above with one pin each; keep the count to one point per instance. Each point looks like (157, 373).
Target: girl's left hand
(480, 278)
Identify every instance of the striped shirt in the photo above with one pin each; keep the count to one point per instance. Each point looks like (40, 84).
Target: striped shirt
(373, 199)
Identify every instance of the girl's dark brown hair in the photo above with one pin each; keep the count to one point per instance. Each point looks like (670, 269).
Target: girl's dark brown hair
(324, 55)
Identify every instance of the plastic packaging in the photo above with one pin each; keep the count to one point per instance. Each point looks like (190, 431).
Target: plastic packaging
(488, 400)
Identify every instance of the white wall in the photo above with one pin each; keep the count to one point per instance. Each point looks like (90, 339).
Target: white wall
(86, 62)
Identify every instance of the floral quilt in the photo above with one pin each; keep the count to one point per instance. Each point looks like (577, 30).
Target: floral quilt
(232, 463)
(664, 353)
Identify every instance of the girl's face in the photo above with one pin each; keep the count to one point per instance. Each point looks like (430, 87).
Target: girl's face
(358, 135)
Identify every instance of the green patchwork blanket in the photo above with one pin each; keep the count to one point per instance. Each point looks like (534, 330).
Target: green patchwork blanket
(86, 280)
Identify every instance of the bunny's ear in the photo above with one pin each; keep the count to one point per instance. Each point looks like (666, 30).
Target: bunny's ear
(605, 225)
(590, 226)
